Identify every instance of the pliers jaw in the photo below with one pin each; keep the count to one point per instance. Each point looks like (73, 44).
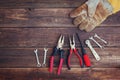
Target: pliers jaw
(72, 42)
(60, 42)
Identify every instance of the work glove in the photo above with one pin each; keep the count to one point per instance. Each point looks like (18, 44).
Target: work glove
(93, 13)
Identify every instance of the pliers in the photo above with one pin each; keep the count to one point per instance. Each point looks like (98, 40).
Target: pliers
(73, 50)
(57, 50)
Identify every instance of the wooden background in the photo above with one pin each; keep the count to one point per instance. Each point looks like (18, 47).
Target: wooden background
(29, 24)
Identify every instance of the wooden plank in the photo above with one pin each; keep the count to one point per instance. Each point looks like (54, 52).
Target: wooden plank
(40, 3)
(43, 74)
(25, 58)
(40, 37)
(48, 17)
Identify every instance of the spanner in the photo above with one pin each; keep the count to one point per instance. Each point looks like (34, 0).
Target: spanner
(45, 54)
(97, 57)
(100, 38)
(91, 38)
(38, 62)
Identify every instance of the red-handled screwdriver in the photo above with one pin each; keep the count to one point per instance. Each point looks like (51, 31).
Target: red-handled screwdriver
(84, 54)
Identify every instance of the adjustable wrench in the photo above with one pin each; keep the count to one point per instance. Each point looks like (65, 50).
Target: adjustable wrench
(97, 57)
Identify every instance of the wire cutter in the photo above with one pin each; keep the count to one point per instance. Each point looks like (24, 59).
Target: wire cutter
(58, 49)
(73, 50)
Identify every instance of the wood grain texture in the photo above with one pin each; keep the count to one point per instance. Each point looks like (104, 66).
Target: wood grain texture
(74, 74)
(48, 17)
(25, 57)
(40, 37)
(29, 24)
(41, 3)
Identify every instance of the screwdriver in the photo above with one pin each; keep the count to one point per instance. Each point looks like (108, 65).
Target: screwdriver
(84, 54)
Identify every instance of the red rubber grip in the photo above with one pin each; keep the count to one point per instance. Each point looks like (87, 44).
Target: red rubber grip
(87, 60)
(80, 59)
(51, 64)
(60, 66)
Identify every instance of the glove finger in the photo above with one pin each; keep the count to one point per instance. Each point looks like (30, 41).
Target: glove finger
(80, 10)
(91, 25)
(79, 19)
(83, 25)
(92, 5)
(100, 15)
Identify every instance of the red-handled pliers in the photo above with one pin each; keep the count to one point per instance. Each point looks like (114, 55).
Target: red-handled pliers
(58, 49)
(73, 49)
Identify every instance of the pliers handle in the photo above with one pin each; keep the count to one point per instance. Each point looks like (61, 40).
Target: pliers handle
(52, 59)
(61, 52)
(77, 54)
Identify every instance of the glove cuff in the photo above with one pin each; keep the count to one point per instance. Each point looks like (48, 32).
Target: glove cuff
(115, 4)
(107, 6)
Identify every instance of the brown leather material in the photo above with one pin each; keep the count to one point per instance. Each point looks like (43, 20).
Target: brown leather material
(79, 19)
(89, 23)
(78, 11)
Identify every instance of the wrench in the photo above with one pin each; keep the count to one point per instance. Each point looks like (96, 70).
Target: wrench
(45, 54)
(91, 38)
(97, 57)
(38, 62)
(100, 38)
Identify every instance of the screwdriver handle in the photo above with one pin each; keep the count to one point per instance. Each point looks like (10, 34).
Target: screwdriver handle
(87, 61)
(84, 54)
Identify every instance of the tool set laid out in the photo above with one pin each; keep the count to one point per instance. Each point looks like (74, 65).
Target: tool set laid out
(83, 57)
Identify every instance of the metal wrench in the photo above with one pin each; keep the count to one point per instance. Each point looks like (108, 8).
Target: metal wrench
(97, 57)
(45, 54)
(91, 38)
(100, 38)
(38, 62)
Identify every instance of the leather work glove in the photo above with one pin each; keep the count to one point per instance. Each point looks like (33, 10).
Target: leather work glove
(93, 13)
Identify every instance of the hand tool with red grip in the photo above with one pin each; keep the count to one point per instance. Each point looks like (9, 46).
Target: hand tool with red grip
(85, 57)
(73, 50)
(57, 50)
